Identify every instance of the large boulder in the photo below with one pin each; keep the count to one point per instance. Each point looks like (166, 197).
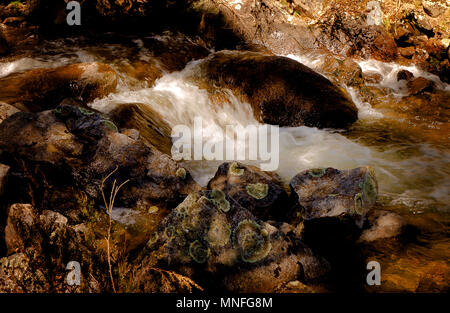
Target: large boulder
(262, 193)
(281, 91)
(76, 147)
(331, 193)
(211, 238)
(43, 89)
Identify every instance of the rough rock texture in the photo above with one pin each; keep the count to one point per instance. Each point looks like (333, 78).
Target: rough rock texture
(329, 192)
(281, 91)
(262, 193)
(75, 147)
(419, 85)
(42, 89)
(211, 238)
(153, 130)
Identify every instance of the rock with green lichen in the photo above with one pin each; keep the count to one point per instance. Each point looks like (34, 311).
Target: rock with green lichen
(212, 245)
(73, 146)
(321, 193)
(260, 192)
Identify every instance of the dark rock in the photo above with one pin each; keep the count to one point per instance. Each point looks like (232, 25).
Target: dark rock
(407, 52)
(262, 193)
(78, 147)
(419, 85)
(330, 193)
(281, 91)
(211, 238)
(404, 75)
(153, 130)
(42, 89)
(4, 47)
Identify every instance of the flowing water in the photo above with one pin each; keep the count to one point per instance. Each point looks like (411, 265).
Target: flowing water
(408, 147)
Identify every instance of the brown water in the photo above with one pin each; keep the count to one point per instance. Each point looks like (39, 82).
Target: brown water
(406, 140)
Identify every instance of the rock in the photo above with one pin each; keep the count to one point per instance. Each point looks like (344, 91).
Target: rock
(434, 8)
(4, 169)
(384, 225)
(78, 147)
(17, 275)
(142, 71)
(42, 89)
(322, 193)
(218, 243)
(261, 193)
(372, 77)
(420, 85)
(6, 110)
(19, 227)
(407, 52)
(281, 91)
(152, 128)
(40, 247)
(404, 75)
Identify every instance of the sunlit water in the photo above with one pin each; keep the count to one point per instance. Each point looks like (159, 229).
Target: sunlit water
(412, 173)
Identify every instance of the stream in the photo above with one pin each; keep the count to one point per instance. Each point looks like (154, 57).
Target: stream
(406, 145)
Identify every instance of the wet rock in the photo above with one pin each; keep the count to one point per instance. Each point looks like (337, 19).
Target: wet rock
(41, 89)
(404, 75)
(407, 52)
(271, 84)
(78, 147)
(6, 110)
(211, 238)
(420, 85)
(262, 193)
(384, 225)
(331, 193)
(153, 130)
(372, 77)
(4, 169)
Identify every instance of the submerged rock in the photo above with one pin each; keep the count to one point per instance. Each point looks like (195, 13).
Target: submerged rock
(262, 193)
(281, 91)
(76, 147)
(212, 239)
(328, 192)
(384, 225)
(43, 89)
